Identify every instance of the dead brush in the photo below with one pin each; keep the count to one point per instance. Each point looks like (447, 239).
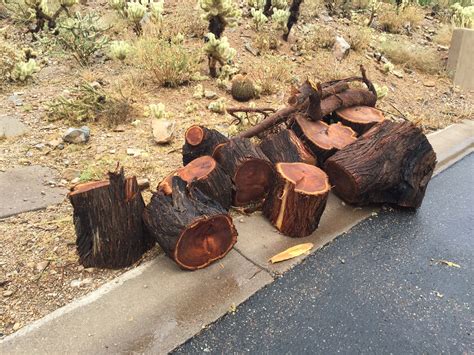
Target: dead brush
(322, 37)
(390, 21)
(359, 38)
(412, 56)
(443, 37)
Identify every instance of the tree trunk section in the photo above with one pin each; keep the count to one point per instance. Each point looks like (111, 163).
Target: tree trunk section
(322, 139)
(191, 228)
(297, 199)
(360, 118)
(205, 174)
(286, 147)
(250, 170)
(108, 222)
(390, 163)
(200, 141)
(348, 98)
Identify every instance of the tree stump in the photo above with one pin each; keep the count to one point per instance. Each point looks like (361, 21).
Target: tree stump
(250, 170)
(286, 147)
(191, 228)
(108, 222)
(360, 118)
(322, 139)
(205, 174)
(200, 141)
(390, 163)
(297, 199)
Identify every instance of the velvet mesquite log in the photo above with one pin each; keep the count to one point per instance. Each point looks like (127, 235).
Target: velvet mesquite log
(200, 141)
(192, 229)
(108, 222)
(285, 146)
(297, 199)
(360, 118)
(391, 163)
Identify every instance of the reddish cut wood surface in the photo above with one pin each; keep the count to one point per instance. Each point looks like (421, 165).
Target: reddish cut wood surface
(194, 135)
(307, 179)
(205, 241)
(88, 186)
(361, 114)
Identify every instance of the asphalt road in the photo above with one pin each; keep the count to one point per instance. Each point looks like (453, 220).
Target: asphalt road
(381, 288)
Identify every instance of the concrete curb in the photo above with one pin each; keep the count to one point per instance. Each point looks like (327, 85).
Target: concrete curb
(156, 307)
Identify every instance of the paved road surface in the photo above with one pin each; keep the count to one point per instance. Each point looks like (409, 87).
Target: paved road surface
(378, 289)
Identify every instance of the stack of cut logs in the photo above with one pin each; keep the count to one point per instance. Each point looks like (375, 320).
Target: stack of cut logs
(327, 135)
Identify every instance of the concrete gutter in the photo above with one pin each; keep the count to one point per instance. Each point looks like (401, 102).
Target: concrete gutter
(156, 307)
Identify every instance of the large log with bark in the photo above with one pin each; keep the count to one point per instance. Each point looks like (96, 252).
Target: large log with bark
(360, 118)
(108, 222)
(322, 139)
(297, 199)
(205, 174)
(190, 227)
(285, 146)
(391, 163)
(248, 167)
(200, 141)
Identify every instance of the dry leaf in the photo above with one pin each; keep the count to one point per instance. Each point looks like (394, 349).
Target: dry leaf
(449, 263)
(292, 252)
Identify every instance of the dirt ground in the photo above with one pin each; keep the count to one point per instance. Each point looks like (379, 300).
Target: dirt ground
(39, 268)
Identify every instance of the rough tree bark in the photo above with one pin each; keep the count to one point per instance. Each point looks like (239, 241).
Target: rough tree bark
(200, 141)
(191, 228)
(205, 174)
(297, 199)
(360, 118)
(108, 222)
(390, 163)
(294, 14)
(250, 170)
(286, 147)
(322, 139)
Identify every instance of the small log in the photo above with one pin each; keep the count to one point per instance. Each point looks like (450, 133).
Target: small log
(297, 199)
(200, 141)
(191, 228)
(108, 222)
(205, 174)
(322, 139)
(390, 163)
(286, 147)
(250, 170)
(360, 118)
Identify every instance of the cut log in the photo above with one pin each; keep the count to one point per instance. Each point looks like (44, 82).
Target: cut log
(286, 147)
(108, 222)
(297, 199)
(250, 170)
(360, 118)
(205, 174)
(390, 163)
(191, 228)
(322, 139)
(200, 141)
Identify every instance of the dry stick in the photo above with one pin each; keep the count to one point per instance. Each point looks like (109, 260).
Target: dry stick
(233, 110)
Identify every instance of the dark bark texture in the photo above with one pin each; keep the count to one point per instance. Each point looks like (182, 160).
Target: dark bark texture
(294, 14)
(391, 163)
(108, 222)
(205, 144)
(191, 228)
(285, 146)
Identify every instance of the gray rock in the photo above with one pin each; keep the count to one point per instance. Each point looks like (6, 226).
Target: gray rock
(341, 48)
(163, 130)
(11, 127)
(77, 135)
(15, 99)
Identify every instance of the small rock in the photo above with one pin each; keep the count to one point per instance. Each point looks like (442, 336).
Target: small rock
(134, 152)
(443, 48)
(249, 48)
(77, 135)
(53, 143)
(208, 94)
(8, 293)
(163, 130)
(341, 48)
(15, 99)
(75, 181)
(75, 283)
(40, 146)
(143, 184)
(120, 128)
(89, 270)
(42, 265)
(397, 73)
(429, 84)
(16, 326)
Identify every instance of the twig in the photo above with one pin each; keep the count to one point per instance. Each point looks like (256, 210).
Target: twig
(234, 110)
(400, 112)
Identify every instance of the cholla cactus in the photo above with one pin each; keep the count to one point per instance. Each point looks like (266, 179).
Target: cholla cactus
(67, 3)
(24, 70)
(281, 19)
(219, 13)
(279, 4)
(218, 51)
(120, 50)
(118, 5)
(381, 91)
(258, 18)
(157, 111)
(373, 6)
(257, 4)
(217, 106)
(463, 16)
(135, 11)
(156, 11)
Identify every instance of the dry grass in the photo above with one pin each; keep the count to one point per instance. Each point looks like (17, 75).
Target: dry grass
(412, 56)
(164, 63)
(271, 74)
(266, 40)
(443, 37)
(359, 38)
(390, 21)
(322, 37)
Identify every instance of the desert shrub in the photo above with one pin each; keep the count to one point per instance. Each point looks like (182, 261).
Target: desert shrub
(265, 41)
(83, 36)
(9, 56)
(391, 21)
(412, 55)
(359, 38)
(271, 74)
(165, 63)
(322, 37)
(90, 102)
(443, 37)
(311, 8)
